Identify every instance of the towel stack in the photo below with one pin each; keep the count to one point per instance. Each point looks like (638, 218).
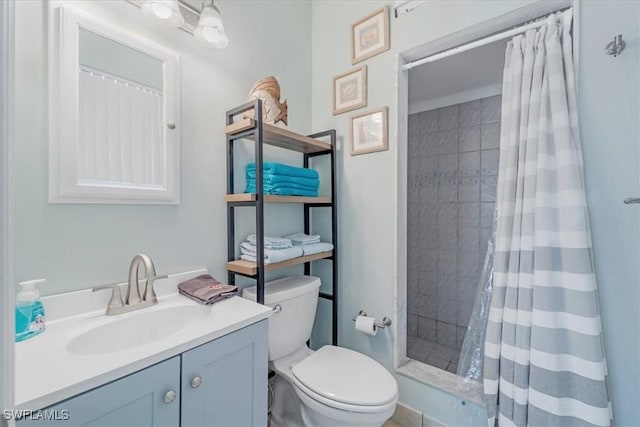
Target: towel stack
(310, 244)
(284, 180)
(278, 249)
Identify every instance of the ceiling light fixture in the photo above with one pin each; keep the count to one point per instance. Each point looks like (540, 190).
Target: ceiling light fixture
(167, 12)
(210, 30)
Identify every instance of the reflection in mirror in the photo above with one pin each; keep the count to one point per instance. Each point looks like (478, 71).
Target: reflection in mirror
(120, 114)
(113, 115)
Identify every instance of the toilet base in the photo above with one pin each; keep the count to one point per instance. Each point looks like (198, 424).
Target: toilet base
(292, 408)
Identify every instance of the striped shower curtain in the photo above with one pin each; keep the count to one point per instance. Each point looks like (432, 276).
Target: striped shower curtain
(544, 359)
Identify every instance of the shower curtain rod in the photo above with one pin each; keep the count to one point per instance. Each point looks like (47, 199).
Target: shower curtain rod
(476, 43)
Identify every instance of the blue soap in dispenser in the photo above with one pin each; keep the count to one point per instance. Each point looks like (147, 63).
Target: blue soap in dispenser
(29, 311)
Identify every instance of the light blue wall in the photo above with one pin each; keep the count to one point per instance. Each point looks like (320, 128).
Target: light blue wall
(367, 187)
(609, 116)
(367, 183)
(78, 246)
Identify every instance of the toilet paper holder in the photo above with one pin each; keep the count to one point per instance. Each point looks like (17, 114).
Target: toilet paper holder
(385, 320)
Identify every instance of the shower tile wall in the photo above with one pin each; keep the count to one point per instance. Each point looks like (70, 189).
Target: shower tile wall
(452, 181)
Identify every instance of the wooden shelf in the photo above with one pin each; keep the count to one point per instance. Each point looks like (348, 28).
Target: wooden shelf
(251, 269)
(270, 198)
(280, 137)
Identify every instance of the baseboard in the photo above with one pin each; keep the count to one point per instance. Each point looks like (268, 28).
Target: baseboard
(406, 417)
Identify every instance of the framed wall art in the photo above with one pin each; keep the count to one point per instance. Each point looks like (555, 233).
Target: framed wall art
(369, 131)
(370, 35)
(350, 90)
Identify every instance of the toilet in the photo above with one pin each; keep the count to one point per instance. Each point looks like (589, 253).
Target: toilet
(332, 386)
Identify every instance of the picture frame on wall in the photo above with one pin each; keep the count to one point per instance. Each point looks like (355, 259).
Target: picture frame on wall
(369, 132)
(350, 90)
(370, 35)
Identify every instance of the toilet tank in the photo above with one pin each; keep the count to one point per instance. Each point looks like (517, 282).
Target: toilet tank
(290, 328)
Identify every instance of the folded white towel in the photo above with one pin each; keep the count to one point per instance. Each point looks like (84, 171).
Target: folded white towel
(271, 242)
(316, 248)
(303, 239)
(249, 253)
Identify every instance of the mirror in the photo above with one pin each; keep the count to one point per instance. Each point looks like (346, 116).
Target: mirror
(114, 115)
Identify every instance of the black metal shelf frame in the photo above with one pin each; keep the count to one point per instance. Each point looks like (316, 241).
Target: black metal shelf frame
(258, 203)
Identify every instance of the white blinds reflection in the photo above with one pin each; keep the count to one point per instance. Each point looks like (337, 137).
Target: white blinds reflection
(120, 132)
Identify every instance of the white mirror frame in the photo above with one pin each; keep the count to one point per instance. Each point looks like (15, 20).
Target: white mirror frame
(65, 23)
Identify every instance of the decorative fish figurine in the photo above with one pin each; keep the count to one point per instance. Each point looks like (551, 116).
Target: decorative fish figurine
(268, 90)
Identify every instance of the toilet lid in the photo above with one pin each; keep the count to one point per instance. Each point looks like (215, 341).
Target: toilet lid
(346, 376)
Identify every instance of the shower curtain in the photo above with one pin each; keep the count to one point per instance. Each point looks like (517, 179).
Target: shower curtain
(544, 362)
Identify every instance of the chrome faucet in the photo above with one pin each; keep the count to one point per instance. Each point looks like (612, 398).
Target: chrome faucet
(133, 300)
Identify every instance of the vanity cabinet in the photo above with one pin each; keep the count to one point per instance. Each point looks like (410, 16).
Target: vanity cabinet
(221, 383)
(224, 382)
(135, 400)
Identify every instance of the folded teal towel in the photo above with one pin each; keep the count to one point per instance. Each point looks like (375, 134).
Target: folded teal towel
(285, 191)
(268, 187)
(282, 169)
(268, 179)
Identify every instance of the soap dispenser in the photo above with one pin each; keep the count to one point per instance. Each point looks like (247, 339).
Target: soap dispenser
(29, 311)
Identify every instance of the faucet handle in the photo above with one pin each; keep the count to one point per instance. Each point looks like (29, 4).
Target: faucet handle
(148, 289)
(116, 301)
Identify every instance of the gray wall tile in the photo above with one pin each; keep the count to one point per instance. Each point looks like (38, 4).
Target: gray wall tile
(446, 335)
(447, 118)
(469, 163)
(467, 287)
(464, 313)
(470, 113)
(469, 190)
(427, 192)
(469, 262)
(448, 165)
(486, 214)
(412, 281)
(488, 188)
(489, 161)
(468, 239)
(469, 138)
(428, 121)
(448, 141)
(452, 169)
(491, 108)
(413, 303)
(468, 215)
(412, 325)
(490, 135)
(447, 310)
(427, 283)
(460, 333)
(428, 143)
(447, 190)
(427, 329)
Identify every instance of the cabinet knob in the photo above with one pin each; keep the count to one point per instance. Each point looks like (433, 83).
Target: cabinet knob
(171, 126)
(170, 396)
(195, 382)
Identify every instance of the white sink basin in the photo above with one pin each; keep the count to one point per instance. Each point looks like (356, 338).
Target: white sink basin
(136, 329)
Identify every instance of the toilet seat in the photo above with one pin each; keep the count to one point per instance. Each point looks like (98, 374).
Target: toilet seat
(347, 380)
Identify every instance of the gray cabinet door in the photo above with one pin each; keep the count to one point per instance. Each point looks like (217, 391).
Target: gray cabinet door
(136, 400)
(224, 383)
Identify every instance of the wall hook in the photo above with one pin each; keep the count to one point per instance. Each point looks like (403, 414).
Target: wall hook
(615, 46)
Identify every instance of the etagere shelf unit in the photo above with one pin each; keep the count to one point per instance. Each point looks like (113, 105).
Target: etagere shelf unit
(238, 127)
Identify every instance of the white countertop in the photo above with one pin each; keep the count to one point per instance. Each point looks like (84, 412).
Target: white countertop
(47, 372)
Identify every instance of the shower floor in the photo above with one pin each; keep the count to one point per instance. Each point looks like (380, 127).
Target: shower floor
(434, 354)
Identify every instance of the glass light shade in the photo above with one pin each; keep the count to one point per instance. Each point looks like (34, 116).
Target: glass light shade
(210, 30)
(167, 12)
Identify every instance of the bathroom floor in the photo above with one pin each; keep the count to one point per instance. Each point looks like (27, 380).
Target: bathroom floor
(434, 354)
